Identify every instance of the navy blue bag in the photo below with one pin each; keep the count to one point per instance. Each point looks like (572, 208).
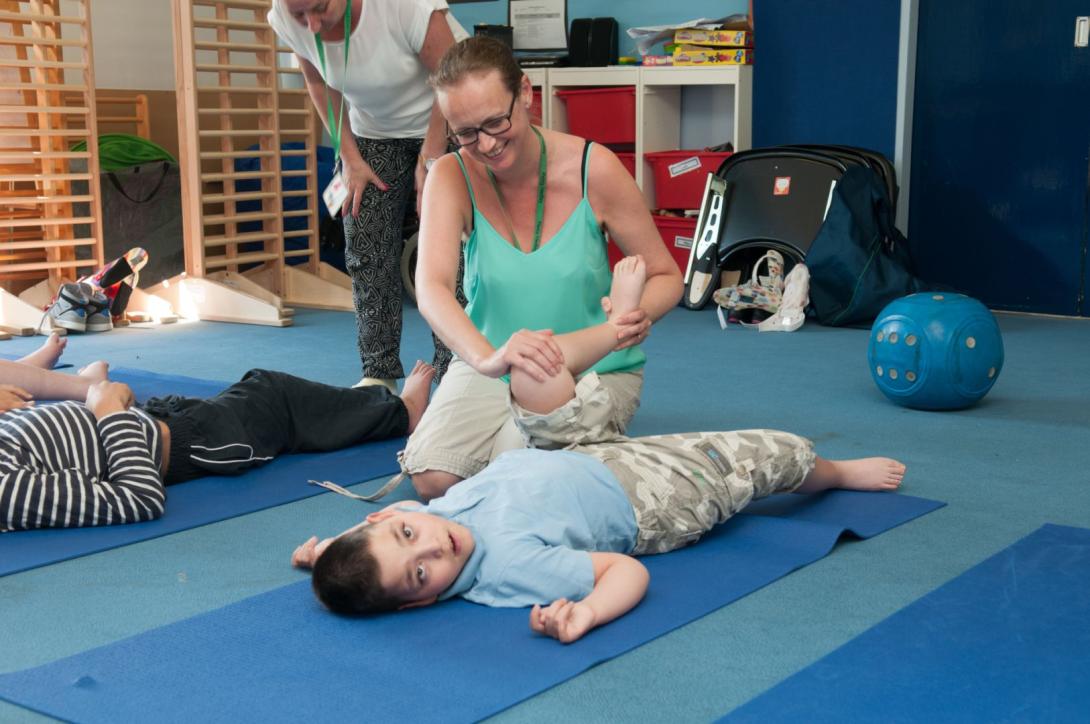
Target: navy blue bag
(859, 262)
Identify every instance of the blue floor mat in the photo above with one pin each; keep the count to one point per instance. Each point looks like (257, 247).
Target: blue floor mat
(279, 657)
(204, 500)
(1008, 640)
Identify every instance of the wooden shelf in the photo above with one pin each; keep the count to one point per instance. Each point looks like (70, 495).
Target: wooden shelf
(658, 103)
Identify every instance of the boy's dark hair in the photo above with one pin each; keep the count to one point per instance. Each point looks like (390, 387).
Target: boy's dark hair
(477, 54)
(346, 577)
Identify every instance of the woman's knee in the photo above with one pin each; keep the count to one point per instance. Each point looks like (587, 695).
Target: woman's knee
(433, 483)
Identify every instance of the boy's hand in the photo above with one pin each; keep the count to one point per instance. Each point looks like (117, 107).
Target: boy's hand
(306, 555)
(563, 620)
(105, 398)
(13, 398)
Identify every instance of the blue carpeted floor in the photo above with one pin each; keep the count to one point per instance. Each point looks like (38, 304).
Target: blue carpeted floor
(1019, 459)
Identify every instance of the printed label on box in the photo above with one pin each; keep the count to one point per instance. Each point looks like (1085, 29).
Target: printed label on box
(683, 242)
(782, 186)
(729, 38)
(689, 164)
(706, 55)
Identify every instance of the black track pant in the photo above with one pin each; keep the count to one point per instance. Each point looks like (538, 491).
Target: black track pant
(268, 413)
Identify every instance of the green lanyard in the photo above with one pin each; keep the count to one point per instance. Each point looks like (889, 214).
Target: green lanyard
(541, 170)
(335, 128)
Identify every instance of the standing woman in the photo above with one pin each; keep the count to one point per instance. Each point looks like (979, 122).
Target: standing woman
(534, 206)
(366, 65)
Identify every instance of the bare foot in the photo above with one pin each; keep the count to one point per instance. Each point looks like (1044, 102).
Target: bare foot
(47, 355)
(96, 371)
(415, 391)
(629, 276)
(858, 474)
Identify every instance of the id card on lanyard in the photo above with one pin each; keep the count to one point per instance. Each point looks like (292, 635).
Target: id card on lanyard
(336, 192)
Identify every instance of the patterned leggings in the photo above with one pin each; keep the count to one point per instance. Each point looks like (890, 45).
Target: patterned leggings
(373, 245)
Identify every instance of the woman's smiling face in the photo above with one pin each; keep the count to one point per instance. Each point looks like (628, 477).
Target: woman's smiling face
(483, 101)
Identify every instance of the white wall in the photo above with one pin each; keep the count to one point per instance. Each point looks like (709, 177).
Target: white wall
(133, 43)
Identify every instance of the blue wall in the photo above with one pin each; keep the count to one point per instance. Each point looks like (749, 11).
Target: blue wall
(629, 13)
(826, 72)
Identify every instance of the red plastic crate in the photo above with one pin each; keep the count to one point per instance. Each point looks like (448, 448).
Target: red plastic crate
(605, 115)
(677, 234)
(680, 176)
(535, 108)
(628, 160)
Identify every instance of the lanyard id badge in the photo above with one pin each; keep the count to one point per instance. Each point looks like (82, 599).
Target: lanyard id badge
(337, 191)
(335, 194)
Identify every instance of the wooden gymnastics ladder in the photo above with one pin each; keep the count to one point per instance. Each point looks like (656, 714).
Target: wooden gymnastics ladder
(230, 99)
(48, 230)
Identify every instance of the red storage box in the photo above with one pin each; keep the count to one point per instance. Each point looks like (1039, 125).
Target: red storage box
(680, 176)
(677, 233)
(535, 108)
(628, 160)
(604, 115)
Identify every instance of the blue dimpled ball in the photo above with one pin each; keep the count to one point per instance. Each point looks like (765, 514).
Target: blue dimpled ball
(935, 351)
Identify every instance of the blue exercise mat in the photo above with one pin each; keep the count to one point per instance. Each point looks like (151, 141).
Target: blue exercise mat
(1008, 640)
(14, 357)
(204, 500)
(279, 656)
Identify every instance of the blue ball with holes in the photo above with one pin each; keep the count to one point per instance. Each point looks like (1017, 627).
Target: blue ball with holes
(935, 351)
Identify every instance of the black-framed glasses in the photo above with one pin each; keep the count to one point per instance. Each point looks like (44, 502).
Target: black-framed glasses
(491, 127)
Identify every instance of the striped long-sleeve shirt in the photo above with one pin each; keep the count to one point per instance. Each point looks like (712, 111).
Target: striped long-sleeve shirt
(61, 467)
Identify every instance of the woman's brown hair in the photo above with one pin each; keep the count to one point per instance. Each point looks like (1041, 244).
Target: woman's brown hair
(478, 54)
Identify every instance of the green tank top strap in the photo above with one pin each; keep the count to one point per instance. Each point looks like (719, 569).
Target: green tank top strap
(469, 186)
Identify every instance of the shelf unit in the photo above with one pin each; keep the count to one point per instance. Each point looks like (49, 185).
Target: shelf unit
(236, 101)
(658, 103)
(49, 229)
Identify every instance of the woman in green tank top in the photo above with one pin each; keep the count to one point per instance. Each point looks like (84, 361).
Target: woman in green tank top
(533, 207)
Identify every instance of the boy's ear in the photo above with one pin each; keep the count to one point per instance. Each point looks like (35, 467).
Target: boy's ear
(379, 515)
(418, 604)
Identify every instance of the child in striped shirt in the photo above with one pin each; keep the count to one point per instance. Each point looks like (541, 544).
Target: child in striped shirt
(99, 459)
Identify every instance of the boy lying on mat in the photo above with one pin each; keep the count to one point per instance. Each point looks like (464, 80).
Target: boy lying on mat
(98, 459)
(557, 530)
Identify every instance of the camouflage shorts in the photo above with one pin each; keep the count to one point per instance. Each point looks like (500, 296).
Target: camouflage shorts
(683, 485)
(599, 412)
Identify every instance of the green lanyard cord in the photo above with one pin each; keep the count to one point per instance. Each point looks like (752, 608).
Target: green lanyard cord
(540, 214)
(335, 127)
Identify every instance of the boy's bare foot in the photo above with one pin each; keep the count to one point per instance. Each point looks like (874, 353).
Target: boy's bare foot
(415, 391)
(47, 355)
(858, 474)
(96, 371)
(629, 277)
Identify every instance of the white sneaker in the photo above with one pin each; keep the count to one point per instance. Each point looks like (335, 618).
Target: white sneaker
(70, 309)
(99, 318)
(387, 382)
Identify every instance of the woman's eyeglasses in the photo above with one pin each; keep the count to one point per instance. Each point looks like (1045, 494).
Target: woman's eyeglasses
(491, 127)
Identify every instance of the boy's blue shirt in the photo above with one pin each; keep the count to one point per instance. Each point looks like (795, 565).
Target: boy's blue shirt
(535, 515)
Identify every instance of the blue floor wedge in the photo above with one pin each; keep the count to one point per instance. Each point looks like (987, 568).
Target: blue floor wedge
(1007, 640)
(204, 500)
(279, 657)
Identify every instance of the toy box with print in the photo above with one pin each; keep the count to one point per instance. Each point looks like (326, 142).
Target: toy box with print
(720, 38)
(699, 55)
